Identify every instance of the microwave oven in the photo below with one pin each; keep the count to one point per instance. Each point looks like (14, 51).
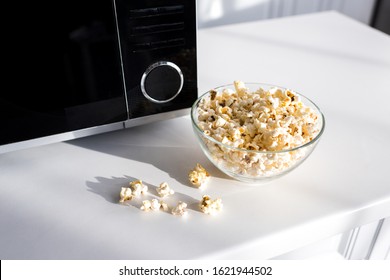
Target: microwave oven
(81, 67)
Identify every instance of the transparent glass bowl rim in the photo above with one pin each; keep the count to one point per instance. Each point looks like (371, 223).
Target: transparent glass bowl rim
(195, 124)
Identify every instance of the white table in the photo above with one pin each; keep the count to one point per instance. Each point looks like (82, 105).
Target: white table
(59, 201)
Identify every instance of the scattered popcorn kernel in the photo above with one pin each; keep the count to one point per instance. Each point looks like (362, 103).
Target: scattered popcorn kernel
(138, 187)
(156, 205)
(180, 209)
(164, 190)
(125, 194)
(209, 206)
(153, 205)
(198, 176)
(146, 205)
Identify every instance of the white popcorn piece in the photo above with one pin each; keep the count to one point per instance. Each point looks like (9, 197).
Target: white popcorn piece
(164, 190)
(209, 206)
(240, 88)
(153, 205)
(146, 205)
(125, 194)
(180, 209)
(198, 176)
(138, 187)
(263, 120)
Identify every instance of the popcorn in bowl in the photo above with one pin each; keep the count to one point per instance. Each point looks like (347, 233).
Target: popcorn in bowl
(256, 132)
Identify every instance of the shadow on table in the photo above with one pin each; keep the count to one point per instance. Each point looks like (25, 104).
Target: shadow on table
(177, 158)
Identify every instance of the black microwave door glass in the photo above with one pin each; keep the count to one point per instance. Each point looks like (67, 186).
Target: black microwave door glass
(67, 74)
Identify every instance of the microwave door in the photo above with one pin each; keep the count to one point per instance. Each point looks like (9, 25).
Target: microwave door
(67, 75)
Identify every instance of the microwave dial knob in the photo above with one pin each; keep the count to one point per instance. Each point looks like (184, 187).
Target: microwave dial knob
(162, 82)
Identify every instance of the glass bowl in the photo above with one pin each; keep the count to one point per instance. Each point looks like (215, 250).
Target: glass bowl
(254, 166)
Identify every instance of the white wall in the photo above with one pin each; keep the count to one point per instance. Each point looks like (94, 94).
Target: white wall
(219, 12)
